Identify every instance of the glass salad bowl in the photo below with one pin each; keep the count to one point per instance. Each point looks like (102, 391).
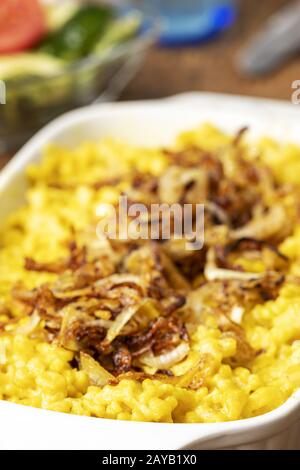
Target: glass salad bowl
(32, 101)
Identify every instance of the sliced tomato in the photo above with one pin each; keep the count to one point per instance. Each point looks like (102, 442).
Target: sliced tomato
(22, 25)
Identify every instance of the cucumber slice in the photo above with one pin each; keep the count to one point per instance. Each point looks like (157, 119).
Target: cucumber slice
(29, 64)
(58, 13)
(79, 35)
(119, 31)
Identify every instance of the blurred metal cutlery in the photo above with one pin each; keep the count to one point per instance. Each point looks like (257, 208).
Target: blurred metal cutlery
(277, 40)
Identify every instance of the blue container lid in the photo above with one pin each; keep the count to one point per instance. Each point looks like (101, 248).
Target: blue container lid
(193, 28)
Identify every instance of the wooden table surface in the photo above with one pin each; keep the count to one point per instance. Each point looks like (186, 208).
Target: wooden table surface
(210, 67)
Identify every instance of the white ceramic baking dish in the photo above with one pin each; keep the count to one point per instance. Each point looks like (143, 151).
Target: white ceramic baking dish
(148, 123)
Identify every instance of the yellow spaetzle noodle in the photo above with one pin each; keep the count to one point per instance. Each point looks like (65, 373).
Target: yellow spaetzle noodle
(62, 200)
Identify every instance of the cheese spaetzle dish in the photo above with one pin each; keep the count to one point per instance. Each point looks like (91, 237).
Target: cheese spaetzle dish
(147, 329)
